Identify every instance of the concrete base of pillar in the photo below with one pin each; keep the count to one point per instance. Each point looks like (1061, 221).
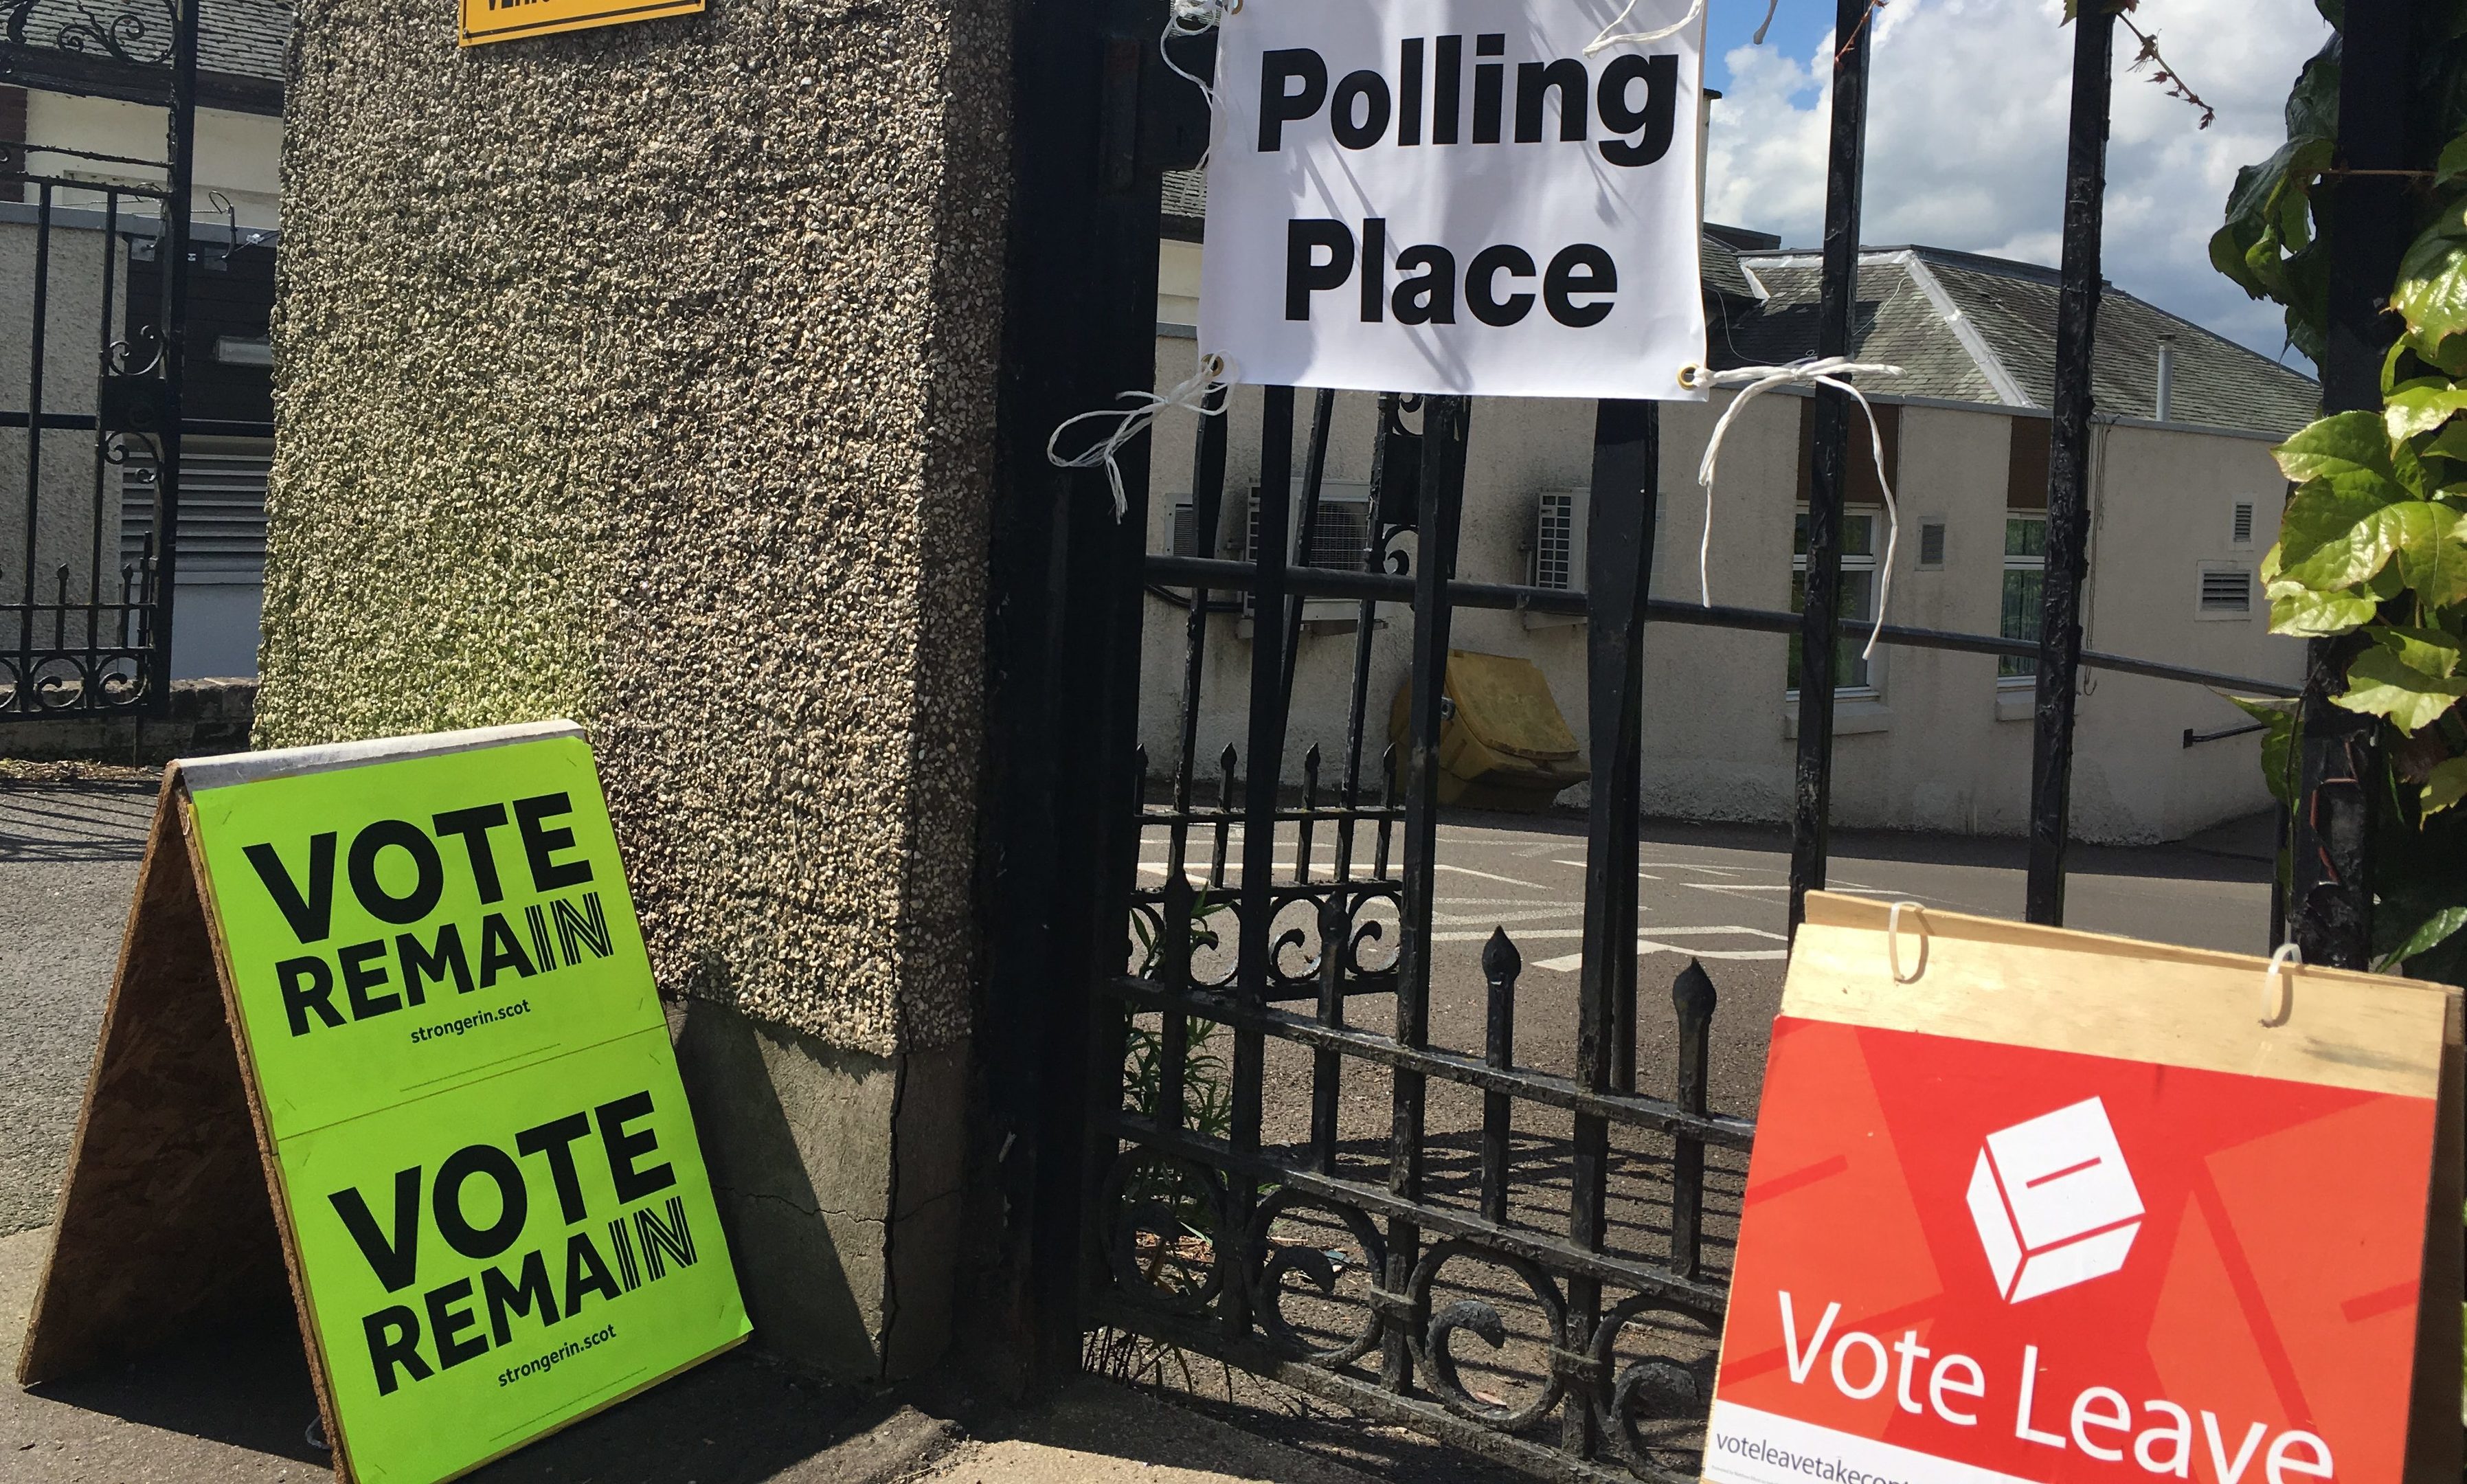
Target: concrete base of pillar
(838, 1177)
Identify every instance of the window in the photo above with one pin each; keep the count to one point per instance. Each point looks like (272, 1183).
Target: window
(2226, 592)
(1857, 602)
(2241, 529)
(2026, 575)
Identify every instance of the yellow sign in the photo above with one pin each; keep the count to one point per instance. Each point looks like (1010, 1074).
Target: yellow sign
(511, 20)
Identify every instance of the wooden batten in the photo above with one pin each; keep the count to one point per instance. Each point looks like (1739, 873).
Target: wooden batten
(1988, 979)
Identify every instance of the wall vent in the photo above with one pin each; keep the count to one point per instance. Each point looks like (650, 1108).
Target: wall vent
(2242, 533)
(1931, 543)
(2226, 591)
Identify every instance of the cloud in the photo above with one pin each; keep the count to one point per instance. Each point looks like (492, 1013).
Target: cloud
(1967, 113)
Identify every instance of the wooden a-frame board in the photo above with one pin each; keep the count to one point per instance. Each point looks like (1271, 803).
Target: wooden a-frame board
(169, 1220)
(1988, 979)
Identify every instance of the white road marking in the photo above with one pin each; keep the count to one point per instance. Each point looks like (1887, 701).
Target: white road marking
(1538, 914)
(1643, 875)
(1488, 877)
(1571, 962)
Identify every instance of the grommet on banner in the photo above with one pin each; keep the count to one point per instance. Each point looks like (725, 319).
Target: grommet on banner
(1893, 942)
(2278, 1001)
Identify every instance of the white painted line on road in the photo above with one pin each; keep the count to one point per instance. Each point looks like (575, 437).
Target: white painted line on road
(1643, 875)
(1686, 865)
(1571, 962)
(1534, 914)
(1488, 877)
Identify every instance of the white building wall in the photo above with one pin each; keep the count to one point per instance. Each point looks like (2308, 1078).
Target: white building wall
(1942, 746)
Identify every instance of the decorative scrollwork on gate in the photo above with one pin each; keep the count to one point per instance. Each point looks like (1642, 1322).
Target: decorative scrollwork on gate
(1655, 1405)
(1165, 1217)
(1435, 1350)
(142, 35)
(1322, 1266)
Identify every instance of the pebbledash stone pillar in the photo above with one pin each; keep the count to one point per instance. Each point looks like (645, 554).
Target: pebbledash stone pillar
(646, 376)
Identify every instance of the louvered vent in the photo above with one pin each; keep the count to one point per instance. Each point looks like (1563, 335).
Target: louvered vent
(1185, 531)
(1931, 543)
(1554, 541)
(2243, 531)
(2227, 591)
(222, 512)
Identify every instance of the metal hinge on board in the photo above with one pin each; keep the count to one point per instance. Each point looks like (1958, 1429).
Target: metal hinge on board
(1152, 121)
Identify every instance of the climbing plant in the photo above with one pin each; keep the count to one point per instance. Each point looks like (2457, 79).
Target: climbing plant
(2373, 541)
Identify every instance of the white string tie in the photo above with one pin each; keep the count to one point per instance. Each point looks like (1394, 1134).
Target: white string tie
(1184, 18)
(1607, 40)
(1215, 374)
(1894, 940)
(2276, 1003)
(1756, 381)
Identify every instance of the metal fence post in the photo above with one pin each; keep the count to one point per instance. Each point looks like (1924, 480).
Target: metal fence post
(2331, 909)
(2067, 554)
(1819, 616)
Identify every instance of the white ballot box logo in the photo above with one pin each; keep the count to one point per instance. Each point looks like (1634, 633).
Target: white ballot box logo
(2053, 1201)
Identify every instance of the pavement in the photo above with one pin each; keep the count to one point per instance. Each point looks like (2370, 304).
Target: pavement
(234, 1405)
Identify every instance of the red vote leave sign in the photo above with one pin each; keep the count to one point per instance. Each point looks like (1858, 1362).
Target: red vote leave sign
(1963, 1261)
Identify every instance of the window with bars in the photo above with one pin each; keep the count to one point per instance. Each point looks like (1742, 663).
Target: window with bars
(2026, 579)
(1856, 601)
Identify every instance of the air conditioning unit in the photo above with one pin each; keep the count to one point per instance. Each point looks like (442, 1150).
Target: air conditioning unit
(1181, 535)
(1335, 541)
(1558, 555)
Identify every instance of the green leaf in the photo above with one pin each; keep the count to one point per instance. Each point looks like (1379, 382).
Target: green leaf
(2428, 650)
(2453, 163)
(2447, 785)
(2451, 443)
(2305, 614)
(2431, 293)
(2421, 405)
(2431, 550)
(2339, 443)
(2334, 533)
(2278, 744)
(2428, 934)
(2378, 684)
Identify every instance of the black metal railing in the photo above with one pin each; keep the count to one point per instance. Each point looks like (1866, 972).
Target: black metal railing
(86, 592)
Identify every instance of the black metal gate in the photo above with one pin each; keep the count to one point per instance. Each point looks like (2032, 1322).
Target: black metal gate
(1539, 1277)
(95, 249)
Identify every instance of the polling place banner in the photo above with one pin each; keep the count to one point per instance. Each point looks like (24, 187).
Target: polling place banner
(434, 992)
(2035, 1205)
(1454, 196)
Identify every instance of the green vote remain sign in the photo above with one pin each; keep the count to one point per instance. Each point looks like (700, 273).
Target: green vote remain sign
(384, 1035)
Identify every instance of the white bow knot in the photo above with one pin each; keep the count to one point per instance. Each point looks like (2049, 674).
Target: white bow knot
(1831, 371)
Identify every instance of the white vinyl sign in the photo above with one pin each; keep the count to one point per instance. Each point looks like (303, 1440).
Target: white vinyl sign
(1449, 196)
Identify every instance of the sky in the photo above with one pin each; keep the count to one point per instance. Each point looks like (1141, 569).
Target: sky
(1967, 108)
